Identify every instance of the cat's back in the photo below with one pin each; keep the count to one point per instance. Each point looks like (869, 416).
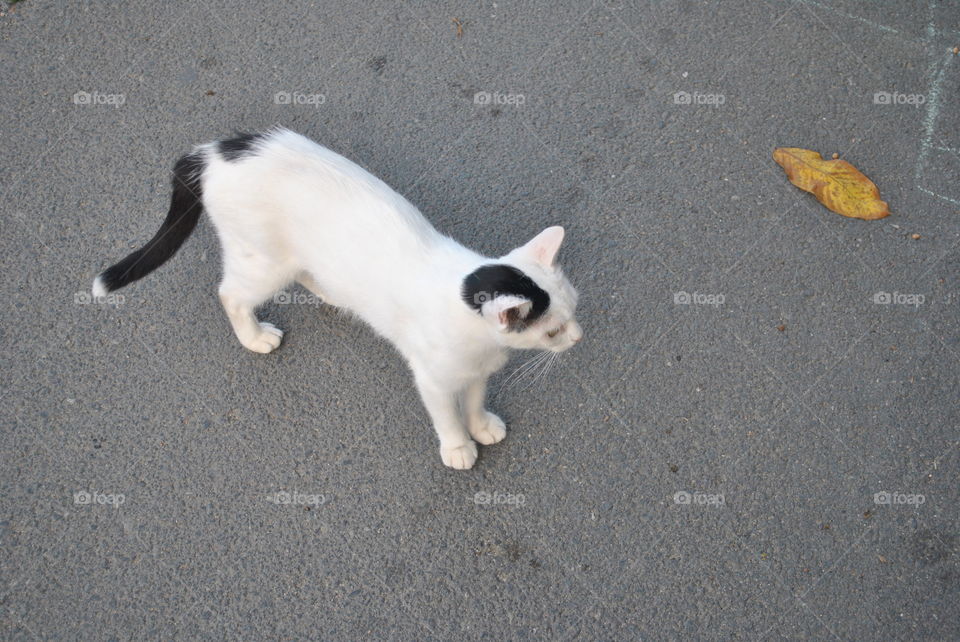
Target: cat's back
(312, 197)
(304, 207)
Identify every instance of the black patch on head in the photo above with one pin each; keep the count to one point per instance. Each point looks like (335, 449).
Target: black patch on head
(234, 149)
(490, 281)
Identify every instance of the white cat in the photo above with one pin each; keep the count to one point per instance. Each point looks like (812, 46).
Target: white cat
(286, 209)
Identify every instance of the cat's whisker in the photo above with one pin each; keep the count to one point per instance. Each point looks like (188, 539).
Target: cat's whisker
(554, 358)
(523, 366)
(542, 366)
(550, 364)
(514, 375)
(549, 367)
(525, 369)
(530, 367)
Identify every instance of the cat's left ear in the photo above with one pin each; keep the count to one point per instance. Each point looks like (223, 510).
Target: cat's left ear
(543, 247)
(507, 311)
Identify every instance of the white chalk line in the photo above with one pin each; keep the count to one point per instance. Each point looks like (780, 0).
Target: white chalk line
(933, 110)
(933, 96)
(876, 25)
(952, 201)
(943, 33)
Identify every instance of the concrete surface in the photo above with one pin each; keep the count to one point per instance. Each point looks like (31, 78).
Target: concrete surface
(781, 411)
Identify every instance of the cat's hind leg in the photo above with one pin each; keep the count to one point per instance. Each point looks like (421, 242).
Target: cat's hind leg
(307, 281)
(241, 291)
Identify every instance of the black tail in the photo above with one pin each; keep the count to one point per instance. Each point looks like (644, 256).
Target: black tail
(186, 204)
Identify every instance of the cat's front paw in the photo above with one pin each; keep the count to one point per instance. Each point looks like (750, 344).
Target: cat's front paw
(459, 457)
(266, 340)
(490, 430)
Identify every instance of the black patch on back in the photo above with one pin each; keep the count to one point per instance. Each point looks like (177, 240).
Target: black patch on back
(489, 281)
(234, 149)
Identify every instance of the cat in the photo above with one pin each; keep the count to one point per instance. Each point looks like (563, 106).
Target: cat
(287, 209)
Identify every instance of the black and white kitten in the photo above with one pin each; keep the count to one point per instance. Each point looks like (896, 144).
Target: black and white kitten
(287, 209)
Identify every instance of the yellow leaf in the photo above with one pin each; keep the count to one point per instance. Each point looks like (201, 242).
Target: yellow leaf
(836, 183)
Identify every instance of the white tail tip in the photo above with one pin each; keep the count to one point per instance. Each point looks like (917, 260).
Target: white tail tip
(99, 289)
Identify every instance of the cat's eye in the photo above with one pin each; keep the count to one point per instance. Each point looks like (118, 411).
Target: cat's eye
(554, 332)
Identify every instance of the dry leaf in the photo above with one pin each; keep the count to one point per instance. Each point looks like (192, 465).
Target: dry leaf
(836, 183)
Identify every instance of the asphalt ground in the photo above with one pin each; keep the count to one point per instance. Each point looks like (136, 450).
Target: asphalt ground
(776, 458)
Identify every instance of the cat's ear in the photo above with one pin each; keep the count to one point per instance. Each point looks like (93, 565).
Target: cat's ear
(507, 311)
(543, 247)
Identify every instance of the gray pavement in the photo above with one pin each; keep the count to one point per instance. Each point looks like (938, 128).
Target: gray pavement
(708, 470)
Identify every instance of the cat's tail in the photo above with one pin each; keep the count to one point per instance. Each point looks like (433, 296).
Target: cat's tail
(186, 205)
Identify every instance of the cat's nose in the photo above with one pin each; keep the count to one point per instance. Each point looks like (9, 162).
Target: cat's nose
(575, 332)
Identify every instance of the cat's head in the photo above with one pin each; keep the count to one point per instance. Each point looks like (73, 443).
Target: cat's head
(526, 298)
